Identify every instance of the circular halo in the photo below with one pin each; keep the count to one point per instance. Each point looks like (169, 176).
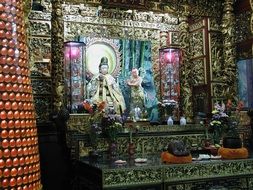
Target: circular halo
(94, 54)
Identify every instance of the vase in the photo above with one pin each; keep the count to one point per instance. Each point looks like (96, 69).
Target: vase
(217, 135)
(112, 150)
(131, 150)
(182, 121)
(170, 121)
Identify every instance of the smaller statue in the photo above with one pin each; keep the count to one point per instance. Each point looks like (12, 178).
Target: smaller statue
(137, 94)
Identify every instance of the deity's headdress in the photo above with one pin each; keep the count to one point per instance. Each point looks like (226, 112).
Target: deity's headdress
(103, 61)
(135, 70)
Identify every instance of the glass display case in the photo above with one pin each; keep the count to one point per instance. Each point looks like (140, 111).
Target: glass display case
(169, 60)
(74, 69)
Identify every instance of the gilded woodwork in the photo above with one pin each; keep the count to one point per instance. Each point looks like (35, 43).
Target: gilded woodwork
(27, 7)
(174, 38)
(78, 122)
(199, 71)
(229, 53)
(216, 56)
(144, 144)
(198, 7)
(197, 25)
(39, 43)
(132, 176)
(242, 27)
(186, 104)
(43, 107)
(197, 52)
(206, 8)
(197, 44)
(40, 28)
(112, 23)
(214, 24)
(93, 21)
(47, 5)
(57, 45)
(197, 175)
(38, 15)
(42, 87)
(217, 90)
(251, 182)
(40, 49)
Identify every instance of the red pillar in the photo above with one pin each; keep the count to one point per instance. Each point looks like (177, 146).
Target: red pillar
(19, 152)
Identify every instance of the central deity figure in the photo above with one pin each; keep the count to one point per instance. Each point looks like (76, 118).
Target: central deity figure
(103, 87)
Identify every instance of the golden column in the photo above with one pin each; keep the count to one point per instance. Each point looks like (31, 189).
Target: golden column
(19, 152)
(57, 44)
(186, 105)
(229, 51)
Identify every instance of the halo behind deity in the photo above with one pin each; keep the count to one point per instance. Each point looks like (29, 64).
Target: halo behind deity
(98, 48)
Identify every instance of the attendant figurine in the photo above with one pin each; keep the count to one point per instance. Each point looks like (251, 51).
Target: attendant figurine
(137, 94)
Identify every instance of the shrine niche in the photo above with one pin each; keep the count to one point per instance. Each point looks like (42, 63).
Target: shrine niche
(124, 55)
(129, 42)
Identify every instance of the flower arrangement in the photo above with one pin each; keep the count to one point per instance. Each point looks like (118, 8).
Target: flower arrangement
(96, 112)
(112, 125)
(218, 121)
(225, 119)
(234, 117)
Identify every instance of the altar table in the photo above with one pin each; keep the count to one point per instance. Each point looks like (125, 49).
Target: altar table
(154, 175)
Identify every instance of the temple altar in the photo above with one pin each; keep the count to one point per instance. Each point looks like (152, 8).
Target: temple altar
(104, 173)
(190, 56)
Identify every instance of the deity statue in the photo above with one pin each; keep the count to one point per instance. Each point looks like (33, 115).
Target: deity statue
(103, 88)
(137, 93)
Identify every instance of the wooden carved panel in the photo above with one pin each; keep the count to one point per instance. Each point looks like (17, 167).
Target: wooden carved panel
(42, 87)
(216, 56)
(40, 28)
(242, 26)
(40, 49)
(199, 71)
(43, 107)
(197, 43)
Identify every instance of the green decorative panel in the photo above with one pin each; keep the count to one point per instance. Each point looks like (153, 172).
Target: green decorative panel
(251, 183)
(208, 169)
(228, 183)
(78, 122)
(41, 87)
(199, 70)
(43, 107)
(216, 56)
(132, 176)
(242, 30)
(40, 28)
